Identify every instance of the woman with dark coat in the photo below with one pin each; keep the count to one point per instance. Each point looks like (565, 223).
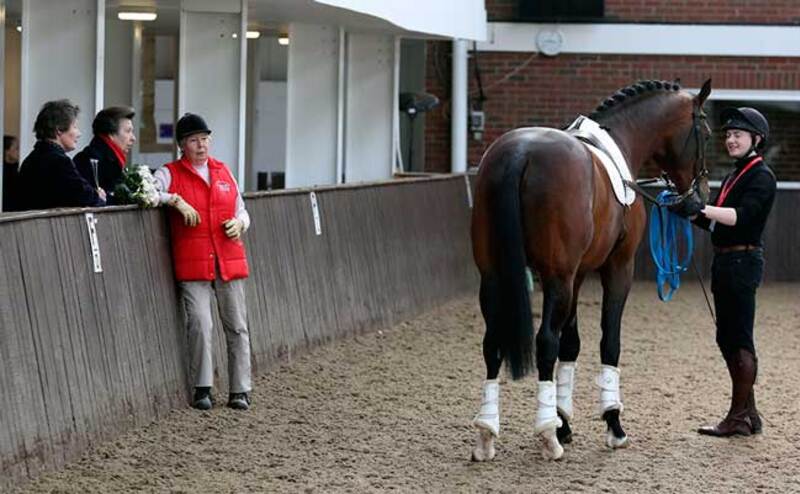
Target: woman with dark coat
(736, 219)
(48, 177)
(112, 141)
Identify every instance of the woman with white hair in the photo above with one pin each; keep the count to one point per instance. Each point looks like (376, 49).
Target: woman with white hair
(209, 257)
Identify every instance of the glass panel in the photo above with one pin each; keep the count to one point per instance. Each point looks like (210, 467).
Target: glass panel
(784, 120)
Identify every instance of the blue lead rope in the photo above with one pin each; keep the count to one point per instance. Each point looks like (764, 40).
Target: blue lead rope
(670, 236)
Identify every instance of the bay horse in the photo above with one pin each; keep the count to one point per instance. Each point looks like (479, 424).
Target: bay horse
(544, 202)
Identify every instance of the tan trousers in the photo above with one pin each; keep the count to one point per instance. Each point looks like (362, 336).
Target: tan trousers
(230, 297)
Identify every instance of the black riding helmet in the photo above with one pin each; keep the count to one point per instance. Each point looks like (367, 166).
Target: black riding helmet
(190, 124)
(746, 118)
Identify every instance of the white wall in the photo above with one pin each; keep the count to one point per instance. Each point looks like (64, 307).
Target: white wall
(312, 105)
(209, 81)
(269, 130)
(274, 59)
(118, 63)
(647, 39)
(370, 107)
(59, 60)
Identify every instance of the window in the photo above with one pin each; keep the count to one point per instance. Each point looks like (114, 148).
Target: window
(551, 10)
(783, 113)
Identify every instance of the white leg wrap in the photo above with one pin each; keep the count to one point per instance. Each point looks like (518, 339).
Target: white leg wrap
(488, 418)
(565, 383)
(547, 421)
(608, 380)
(546, 416)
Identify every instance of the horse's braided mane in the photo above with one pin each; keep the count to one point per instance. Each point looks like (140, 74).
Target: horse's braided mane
(630, 92)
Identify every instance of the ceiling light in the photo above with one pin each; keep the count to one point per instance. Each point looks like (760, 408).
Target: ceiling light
(283, 40)
(235, 35)
(137, 16)
(19, 29)
(253, 34)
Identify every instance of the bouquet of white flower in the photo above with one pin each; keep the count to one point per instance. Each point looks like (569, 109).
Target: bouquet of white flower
(136, 187)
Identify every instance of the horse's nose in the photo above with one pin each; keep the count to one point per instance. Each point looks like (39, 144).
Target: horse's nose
(704, 190)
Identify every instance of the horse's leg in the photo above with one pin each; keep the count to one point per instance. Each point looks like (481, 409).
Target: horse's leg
(487, 421)
(617, 280)
(568, 349)
(556, 308)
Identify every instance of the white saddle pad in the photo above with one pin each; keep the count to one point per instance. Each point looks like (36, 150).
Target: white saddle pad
(602, 145)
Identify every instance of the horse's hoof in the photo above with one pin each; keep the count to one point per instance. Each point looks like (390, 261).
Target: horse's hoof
(551, 449)
(484, 450)
(615, 442)
(615, 435)
(564, 433)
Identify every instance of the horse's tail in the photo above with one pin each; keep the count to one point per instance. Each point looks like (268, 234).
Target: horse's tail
(508, 289)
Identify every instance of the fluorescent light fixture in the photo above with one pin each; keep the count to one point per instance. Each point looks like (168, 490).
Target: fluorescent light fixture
(283, 40)
(137, 16)
(253, 34)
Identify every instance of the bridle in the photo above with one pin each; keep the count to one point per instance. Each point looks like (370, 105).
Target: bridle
(699, 171)
(699, 168)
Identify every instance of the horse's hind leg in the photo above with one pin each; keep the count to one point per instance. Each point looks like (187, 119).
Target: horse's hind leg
(617, 282)
(487, 421)
(568, 350)
(556, 310)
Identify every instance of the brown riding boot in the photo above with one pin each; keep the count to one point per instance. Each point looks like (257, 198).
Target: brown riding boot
(752, 412)
(741, 367)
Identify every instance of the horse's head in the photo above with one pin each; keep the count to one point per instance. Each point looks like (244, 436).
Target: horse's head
(683, 152)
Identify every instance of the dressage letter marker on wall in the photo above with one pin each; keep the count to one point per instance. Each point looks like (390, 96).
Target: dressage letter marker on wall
(91, 221)
(315, 211)
(469, 190)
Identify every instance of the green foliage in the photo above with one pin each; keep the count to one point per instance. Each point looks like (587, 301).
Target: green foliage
(136, 187)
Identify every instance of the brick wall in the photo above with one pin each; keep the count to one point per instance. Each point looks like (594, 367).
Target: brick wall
(553, 91)
(689, 11)
(712, 11)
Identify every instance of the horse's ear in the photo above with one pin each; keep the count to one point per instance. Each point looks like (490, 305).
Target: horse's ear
(704, 92)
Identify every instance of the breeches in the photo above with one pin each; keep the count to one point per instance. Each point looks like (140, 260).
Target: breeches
(230, 297)
(734, 279)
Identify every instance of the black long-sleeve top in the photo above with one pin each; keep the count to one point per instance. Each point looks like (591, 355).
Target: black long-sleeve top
(109, 169)
(48, 179)
(752, 197)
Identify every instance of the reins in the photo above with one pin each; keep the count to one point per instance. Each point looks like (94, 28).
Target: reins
(663, 231)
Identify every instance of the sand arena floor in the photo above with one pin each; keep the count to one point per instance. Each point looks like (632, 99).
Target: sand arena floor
(391, 411)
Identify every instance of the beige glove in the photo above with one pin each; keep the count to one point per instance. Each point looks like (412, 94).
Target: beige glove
(190, 215)
(233, 228)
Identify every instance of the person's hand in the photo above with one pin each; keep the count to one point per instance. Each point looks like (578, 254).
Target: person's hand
(190, 215)
(102, 193)
(688, 208)
(233, 228)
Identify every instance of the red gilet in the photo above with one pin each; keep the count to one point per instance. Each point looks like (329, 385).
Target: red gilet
(196, 249)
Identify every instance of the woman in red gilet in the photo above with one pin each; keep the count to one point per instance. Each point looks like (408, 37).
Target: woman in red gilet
(207, 223)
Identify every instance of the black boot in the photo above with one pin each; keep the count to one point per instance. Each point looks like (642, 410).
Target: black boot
(742, 369)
